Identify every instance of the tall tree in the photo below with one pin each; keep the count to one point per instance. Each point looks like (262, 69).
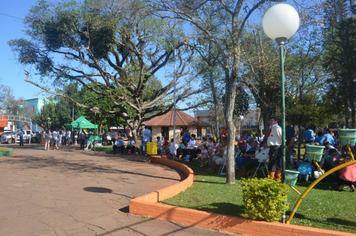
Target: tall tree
(116, 45)
(339, 57)
(205, 17)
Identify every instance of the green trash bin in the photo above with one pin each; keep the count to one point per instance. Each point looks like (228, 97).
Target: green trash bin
(314, 151)
(291, 177)
(347, 136)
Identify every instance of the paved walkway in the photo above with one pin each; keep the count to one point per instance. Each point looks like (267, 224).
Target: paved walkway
(74, 192)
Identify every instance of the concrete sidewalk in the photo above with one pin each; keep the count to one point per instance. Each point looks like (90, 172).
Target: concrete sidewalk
(75, 192)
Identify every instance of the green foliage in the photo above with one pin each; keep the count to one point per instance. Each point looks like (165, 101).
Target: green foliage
(263, 198)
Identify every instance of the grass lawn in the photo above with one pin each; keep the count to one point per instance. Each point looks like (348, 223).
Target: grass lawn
(103, 148)
(323, 207)
(3, 149)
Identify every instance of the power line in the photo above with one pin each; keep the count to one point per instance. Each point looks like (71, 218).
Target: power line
(15, 17)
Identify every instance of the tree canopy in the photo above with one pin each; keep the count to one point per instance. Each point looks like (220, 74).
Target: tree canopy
(112, 48)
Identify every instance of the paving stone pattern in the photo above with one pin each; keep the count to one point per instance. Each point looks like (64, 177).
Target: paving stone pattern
(76, 192)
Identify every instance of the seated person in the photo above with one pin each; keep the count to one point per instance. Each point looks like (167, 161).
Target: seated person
(97, 140)
(119, 145)
(159, 144)
(211, 148)
(347, 176)
(219, 157)
(329, 161)
(165, 145)
(247, 155)
(203, 156)
(328, 147)
(174, 148)
(192, 144)
(261, 156)
(130, 146)
(242, 145)
(183, 145)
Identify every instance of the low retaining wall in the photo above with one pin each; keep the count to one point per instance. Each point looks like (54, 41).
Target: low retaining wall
(147, 205)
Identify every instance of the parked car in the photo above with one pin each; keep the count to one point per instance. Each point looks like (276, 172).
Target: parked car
(6, 137)
(27, 135)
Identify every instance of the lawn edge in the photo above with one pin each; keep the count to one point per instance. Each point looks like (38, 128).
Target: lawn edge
(8, 152)
(147, 205)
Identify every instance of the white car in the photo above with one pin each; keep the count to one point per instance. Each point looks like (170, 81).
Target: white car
(6, 137)
(27, 136)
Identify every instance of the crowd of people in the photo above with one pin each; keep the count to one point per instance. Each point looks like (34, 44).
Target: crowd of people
(250, 150)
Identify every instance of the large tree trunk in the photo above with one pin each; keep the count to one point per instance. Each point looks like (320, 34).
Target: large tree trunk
(229, 105)
(215, 100)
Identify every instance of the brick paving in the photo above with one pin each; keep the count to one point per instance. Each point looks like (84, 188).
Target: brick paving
(75, 192)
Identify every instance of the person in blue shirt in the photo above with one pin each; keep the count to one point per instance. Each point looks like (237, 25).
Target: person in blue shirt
(327, 137)
(317, 139)
(309, 136)
(187, 135)
(146, 137)
(20, 133)
(119, 145)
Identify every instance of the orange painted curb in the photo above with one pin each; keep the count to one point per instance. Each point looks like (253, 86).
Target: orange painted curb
(147, 205)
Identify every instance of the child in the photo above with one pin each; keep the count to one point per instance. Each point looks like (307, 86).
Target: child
(211, 146)
(203, 156)
(347, 176)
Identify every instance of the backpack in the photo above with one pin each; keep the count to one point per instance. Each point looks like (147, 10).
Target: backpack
(305, 171)
(305, 168)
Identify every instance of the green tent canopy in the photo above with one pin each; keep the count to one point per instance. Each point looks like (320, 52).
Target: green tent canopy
(81, 123)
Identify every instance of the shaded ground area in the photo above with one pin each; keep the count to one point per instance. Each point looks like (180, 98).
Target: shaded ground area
(75, 192)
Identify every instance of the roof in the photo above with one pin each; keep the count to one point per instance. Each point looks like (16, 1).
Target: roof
(81, 123)
(182, 119)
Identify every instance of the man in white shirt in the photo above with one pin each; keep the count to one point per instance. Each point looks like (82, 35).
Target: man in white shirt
(130, 146)
(274, 142)
(55, 138)
(69, 134)
(174, 148)
(260, 156)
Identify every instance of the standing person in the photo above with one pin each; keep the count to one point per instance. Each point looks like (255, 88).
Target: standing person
(290, 139)
(68, 136)
(187, 135)
(309, 136)
(113, 136)
(90, 141)
(274, 142)
(48, 137)
(146, 137)
(75, 137)
(55, 139)
(108, 137)
(20, 133)
(82, 139)
(60, 136)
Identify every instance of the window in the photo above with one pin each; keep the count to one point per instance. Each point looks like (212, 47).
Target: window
(199, 132)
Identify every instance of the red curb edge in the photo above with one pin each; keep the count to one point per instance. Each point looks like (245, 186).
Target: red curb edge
(147, 205)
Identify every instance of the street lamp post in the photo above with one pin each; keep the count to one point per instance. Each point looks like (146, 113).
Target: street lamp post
(280, 23)
(48, 120)
(174, 98)
(240, 124)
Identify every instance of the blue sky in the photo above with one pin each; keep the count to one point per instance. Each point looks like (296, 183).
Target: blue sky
(11, 72)
(11, 27)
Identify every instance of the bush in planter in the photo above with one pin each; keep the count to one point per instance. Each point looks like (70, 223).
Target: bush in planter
(263, 198)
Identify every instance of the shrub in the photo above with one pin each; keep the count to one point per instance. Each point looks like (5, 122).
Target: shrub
(263, 198)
